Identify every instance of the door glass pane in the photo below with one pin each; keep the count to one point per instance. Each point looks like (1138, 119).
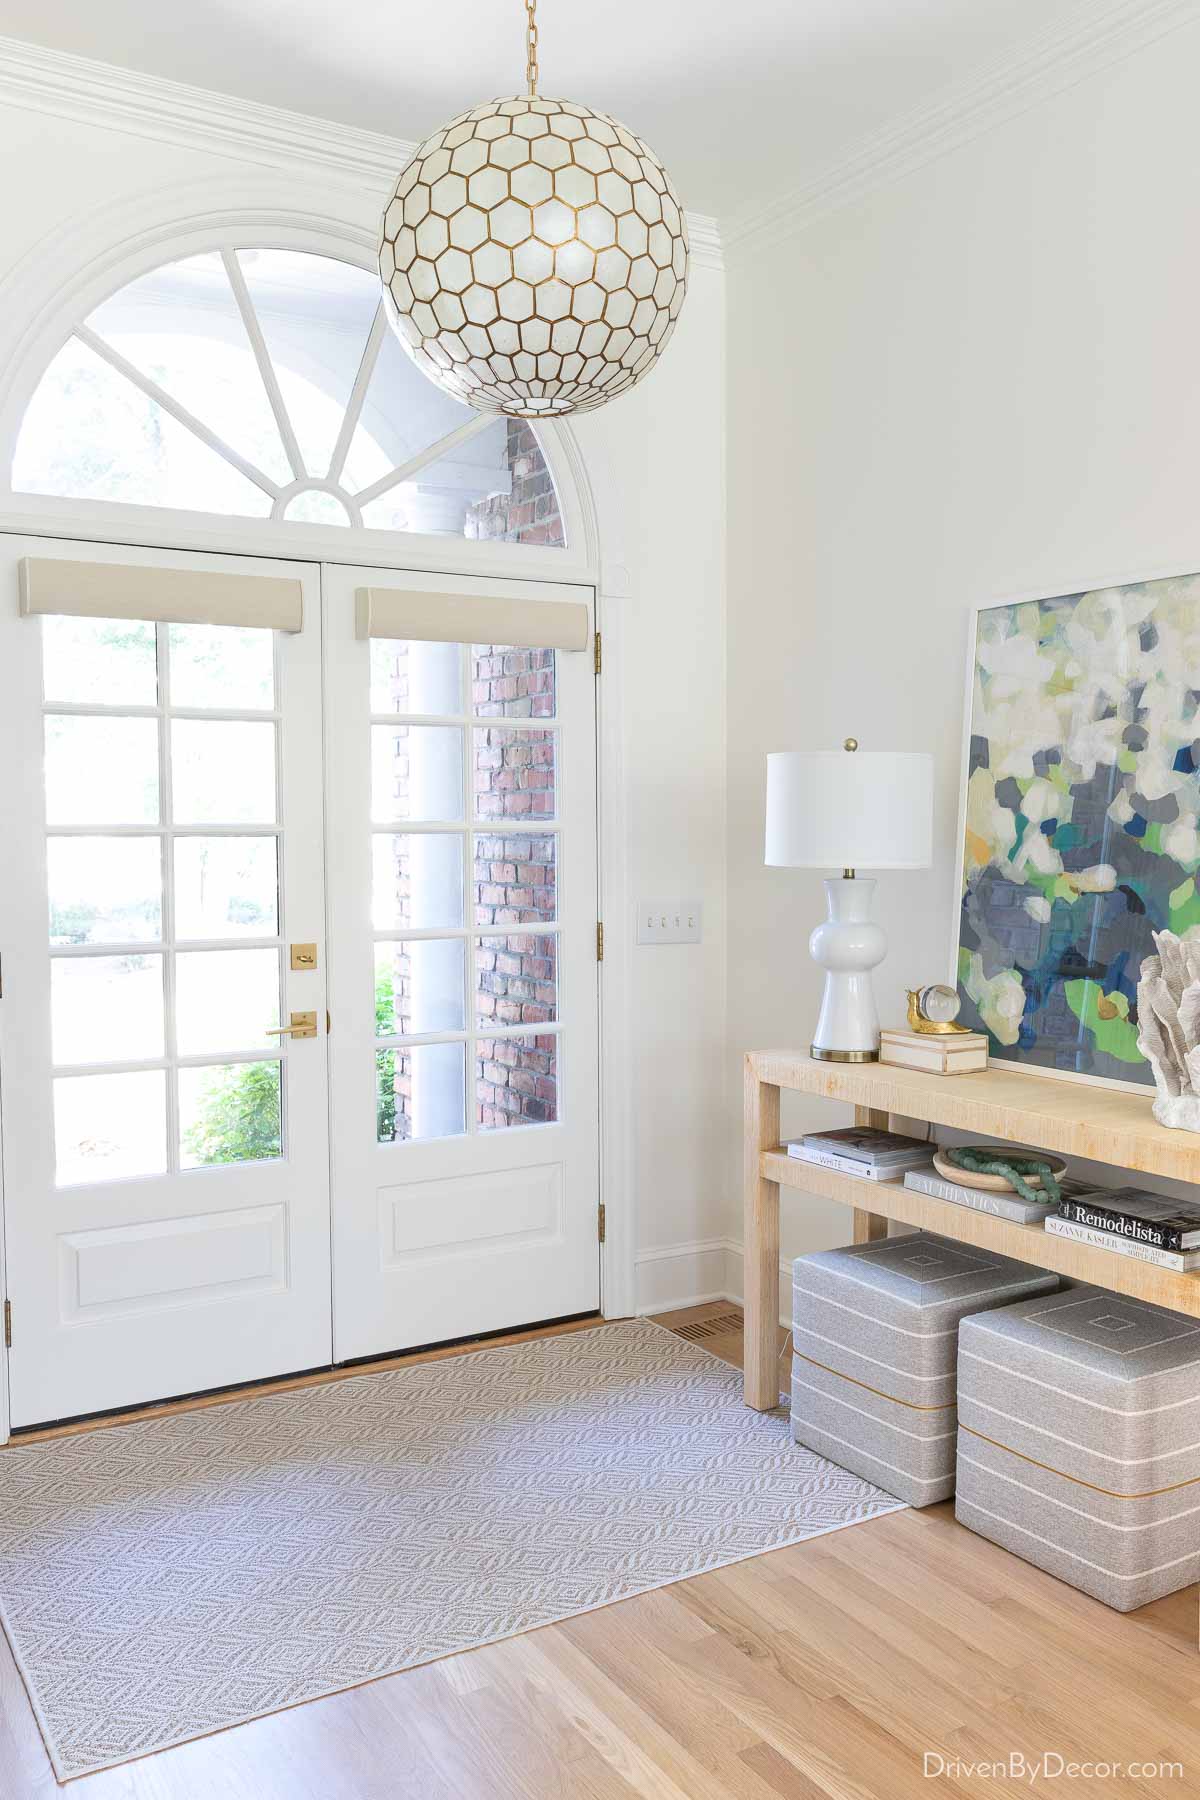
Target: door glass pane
(106, 1009)
(222, 772)
(419, 1092)
(105, 890)
(101, 771)
(514, 879)
(106, 1126)
(516, 979)
(512, 684)
(225, 999)
(417, 880)
(514, 773)
(223, 666)
(226, 887)
(101, 662)
(516, 1081)
(230, 1113)
(416, 772)
(410, 676)
(419, 986)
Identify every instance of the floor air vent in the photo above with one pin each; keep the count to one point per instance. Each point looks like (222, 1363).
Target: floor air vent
(707, 1328)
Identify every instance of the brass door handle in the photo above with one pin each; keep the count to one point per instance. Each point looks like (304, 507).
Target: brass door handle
(303, 1025)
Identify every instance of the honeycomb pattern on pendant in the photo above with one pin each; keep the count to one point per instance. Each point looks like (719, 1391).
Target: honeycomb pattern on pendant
(535, 258)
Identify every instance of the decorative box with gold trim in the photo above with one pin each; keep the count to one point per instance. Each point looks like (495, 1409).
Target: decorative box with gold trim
(956, 1054)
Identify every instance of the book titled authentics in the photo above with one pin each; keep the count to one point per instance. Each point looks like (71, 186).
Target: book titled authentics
(987, 1200)
(1142, 1217)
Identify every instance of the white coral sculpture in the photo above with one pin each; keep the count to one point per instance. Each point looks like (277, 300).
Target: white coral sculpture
(1169, 1026)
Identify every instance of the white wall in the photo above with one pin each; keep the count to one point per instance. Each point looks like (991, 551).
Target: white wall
(983, 379)
(655, 459)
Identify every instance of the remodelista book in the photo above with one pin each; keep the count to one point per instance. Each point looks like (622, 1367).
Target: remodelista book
(1184, 1262)
(1135, 1213)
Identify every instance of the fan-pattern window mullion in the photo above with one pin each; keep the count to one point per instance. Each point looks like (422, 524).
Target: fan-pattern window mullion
(267, 383)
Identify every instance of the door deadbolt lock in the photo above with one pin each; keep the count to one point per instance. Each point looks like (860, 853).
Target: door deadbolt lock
(303, 1025)
(304, 956)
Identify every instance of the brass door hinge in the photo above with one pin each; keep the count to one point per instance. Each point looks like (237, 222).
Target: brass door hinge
(597, 652)
(599, 941)
(600, 1224)
(8, 1324)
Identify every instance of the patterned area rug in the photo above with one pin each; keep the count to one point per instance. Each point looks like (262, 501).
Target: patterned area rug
(163, 1580)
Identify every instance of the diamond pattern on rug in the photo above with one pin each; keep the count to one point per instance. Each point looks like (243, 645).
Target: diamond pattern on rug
(166, 1579)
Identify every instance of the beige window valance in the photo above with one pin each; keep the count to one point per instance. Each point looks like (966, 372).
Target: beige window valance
(472, 619)
(177, 596)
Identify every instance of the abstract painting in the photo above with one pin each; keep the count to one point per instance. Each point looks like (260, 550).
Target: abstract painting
(1080, 833)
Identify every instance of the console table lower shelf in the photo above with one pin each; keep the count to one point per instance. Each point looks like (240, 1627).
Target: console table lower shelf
(1105, 1125)
(1110, 1126)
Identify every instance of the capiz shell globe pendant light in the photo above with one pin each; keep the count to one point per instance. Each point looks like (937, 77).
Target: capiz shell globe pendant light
(534, 256)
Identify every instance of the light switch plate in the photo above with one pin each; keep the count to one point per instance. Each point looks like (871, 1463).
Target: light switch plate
(669, 921)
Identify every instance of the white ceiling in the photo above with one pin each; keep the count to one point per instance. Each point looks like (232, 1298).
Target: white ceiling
(743, 99)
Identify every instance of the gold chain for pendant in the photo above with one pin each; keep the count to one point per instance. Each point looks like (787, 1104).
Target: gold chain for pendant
(531, 45)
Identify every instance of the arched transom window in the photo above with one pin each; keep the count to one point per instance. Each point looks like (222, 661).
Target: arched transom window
(267, 384)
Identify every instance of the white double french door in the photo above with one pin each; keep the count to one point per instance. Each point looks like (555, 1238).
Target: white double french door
(192, 749)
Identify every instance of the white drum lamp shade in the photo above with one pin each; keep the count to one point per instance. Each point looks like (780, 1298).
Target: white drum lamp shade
(827, 809)
(849, 809)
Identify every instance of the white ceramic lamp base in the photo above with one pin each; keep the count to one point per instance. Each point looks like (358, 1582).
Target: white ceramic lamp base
(848, 946)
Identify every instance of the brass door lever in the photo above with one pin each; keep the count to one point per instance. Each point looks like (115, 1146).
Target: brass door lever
(303, 1025)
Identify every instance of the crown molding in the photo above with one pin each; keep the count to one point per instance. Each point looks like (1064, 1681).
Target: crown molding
(97, 93)
(1089, 40)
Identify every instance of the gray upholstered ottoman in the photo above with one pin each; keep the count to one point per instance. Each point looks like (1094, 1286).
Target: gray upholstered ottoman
(875, 1339)
(1079, 1441)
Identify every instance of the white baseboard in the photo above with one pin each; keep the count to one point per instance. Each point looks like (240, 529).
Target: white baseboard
(679, 1275)
(736, 1286)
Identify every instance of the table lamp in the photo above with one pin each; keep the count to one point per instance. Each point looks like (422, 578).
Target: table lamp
(849, 809)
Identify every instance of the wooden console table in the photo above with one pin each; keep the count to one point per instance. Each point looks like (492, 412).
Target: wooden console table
(1106, 1125)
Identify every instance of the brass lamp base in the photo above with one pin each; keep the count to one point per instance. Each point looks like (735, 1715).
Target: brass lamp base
(846, 1056)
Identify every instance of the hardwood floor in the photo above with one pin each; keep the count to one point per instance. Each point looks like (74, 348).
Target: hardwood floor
(821, 1672)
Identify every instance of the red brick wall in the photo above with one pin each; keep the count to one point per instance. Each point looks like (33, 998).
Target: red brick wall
(529, 514)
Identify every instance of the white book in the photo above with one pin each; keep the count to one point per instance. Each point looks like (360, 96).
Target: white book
(850, 1165)
(1003, 1206)
(1182, 1261)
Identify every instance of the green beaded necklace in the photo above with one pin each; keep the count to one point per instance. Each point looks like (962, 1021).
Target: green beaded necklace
(1015, 1166)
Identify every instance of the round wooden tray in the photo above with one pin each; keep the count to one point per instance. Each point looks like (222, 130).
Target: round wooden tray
(995, 1184)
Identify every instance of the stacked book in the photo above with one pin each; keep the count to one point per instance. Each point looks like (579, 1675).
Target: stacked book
(862, 1150)
(1152, 1228)
(989, 1200)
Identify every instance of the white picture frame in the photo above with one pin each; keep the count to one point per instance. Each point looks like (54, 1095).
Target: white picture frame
(1061, 590)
